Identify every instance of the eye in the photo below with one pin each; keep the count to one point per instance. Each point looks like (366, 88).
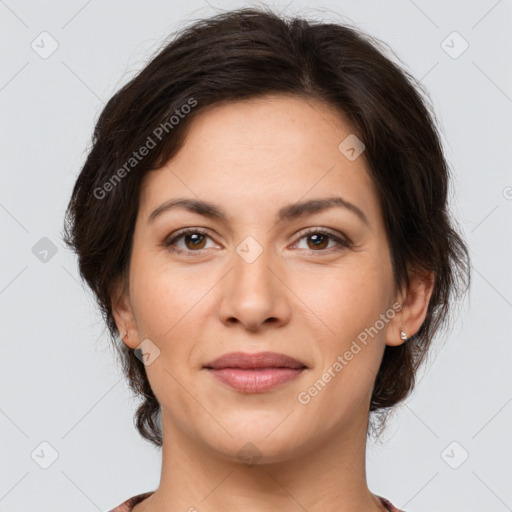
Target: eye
(318, 241)
(194, 240)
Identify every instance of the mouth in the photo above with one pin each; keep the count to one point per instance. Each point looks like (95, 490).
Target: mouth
(255, 373)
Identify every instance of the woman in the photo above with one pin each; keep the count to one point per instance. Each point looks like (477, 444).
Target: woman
(263, 220)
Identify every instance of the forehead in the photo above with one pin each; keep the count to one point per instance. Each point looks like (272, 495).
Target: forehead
(263, 152)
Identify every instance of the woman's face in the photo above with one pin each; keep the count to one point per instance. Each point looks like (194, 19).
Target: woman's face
(265, 275)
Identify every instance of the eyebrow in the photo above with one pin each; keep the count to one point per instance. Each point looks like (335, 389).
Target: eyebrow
(289, 212)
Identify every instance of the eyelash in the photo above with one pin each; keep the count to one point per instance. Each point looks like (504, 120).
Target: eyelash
(342, 244)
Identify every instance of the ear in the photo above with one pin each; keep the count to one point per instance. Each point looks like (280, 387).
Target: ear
(414, 301)
(122, 311)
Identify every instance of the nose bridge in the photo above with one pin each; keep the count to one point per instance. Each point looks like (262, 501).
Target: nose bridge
(253, 294)
(251, 276)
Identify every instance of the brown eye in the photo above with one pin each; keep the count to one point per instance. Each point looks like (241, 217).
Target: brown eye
(318, 241)
(194, 240)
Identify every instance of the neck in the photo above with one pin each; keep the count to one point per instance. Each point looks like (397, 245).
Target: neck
(329, 476)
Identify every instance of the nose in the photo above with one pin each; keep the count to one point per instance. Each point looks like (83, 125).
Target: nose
(254, 294)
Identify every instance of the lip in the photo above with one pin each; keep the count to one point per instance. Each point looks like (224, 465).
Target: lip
(255, 373)
(246, 361)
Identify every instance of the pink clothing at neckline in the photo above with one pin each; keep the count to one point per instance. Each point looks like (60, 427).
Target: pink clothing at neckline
(127, 505)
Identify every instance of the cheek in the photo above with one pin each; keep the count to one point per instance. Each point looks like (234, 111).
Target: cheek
(171, 310)
(350, 301)
(347, 298)
(165, 299)
(350, 305)
(167, 305)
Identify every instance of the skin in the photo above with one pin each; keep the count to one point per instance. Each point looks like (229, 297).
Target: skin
(308, 301)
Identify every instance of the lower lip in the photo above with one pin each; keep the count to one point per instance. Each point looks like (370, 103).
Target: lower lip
(255, 380)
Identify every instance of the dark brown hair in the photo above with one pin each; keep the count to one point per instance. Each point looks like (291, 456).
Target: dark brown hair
(248, 53)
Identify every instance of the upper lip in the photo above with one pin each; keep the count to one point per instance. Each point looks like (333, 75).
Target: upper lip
(245, 360)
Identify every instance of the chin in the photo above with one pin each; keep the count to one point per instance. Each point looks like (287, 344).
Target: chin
(267, 441)
(256, 451)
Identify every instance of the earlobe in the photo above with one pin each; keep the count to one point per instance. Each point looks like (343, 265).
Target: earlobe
(396, 335)
(414, 309)
(124, 318)
(126, 325)
(129, 343)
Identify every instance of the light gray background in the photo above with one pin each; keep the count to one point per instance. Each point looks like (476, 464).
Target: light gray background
(59, 383)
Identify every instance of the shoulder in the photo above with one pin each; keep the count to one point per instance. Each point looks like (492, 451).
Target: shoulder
(389, 506)
(127, 505)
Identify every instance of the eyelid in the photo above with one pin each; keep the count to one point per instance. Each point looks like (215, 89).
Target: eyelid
(342, 240)
(326, 231)
(183, 232)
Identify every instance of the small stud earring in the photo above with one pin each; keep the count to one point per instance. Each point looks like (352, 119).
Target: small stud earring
(403, 336)
(125, 334)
